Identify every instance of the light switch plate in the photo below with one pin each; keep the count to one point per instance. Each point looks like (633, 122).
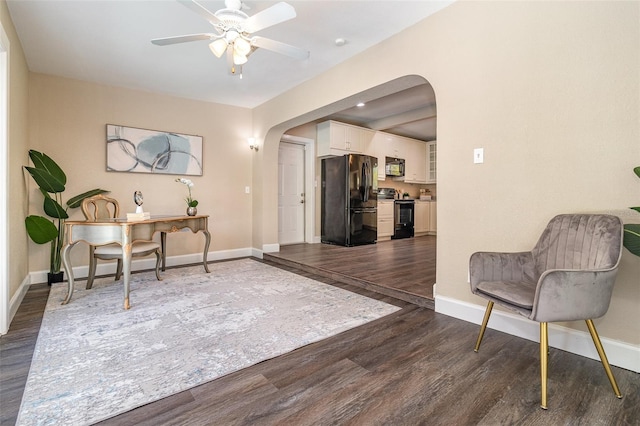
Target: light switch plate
(478, 155)
(247, 190)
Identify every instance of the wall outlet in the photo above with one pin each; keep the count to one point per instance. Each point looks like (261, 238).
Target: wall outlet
(478, 155)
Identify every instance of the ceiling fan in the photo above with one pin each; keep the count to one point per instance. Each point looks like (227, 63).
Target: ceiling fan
(234, 30)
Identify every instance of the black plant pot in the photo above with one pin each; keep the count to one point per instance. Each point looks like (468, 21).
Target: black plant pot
(57, 277)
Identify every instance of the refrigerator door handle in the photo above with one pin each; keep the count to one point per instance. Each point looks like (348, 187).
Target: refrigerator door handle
(365, 210)
(365, 181)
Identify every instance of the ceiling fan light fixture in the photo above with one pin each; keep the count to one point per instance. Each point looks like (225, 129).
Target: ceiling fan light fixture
(234, 32)
(242, 46)
(239, 59)
(218, 47)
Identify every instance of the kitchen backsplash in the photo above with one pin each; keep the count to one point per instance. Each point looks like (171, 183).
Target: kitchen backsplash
(412, 188)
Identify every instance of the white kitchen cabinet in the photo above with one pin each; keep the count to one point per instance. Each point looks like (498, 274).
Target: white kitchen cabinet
(422, 213)
(335, 138)
(432, 156)
(414, 153)
(385, 219)
(390, 145)
(433, 221)
(377, 149)
(396, 146)
(415, 165)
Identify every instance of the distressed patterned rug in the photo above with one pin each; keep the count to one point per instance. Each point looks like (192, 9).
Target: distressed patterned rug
(94, 360)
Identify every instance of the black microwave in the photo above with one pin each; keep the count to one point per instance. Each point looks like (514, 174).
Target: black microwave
(394, 167)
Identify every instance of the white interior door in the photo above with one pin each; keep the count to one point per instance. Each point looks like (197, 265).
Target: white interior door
(291, 193)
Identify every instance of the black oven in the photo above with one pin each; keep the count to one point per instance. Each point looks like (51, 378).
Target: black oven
(403, 218)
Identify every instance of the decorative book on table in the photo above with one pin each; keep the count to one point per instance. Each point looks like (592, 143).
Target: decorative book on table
(132, 217)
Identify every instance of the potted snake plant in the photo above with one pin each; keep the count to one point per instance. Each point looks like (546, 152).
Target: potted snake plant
(51, 180)
(632, 230)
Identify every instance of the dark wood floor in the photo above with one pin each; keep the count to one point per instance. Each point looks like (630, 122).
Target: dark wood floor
(404, 268)
(412, 367)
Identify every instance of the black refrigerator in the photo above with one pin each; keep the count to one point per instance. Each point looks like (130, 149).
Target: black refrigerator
(349, 200)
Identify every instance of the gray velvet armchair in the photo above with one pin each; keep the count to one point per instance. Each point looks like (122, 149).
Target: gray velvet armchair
(568, 276)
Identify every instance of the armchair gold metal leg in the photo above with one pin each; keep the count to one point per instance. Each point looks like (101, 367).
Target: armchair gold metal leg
(544, 360)
(603, 357)
(485, 320)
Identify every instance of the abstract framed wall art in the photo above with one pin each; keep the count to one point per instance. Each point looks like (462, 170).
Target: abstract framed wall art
(134, 150)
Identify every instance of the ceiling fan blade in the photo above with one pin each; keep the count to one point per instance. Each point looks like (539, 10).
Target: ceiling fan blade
(202, 11)
(279, 47)
(277, 13)
(183, 39)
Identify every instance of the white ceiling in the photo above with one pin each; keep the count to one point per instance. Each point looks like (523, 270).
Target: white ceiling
(108, 42)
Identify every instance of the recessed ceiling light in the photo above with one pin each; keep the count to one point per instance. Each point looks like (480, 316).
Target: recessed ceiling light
(340, 42)
(360, 104)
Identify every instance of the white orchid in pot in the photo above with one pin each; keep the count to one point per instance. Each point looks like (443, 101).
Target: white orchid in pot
(191, 203)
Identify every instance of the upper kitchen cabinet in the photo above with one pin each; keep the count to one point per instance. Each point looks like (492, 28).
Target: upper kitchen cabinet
(378, 150)
(396, 146)
(432, 156)
(415, 166)
(335, 138)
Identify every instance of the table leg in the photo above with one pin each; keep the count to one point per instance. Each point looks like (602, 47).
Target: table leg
(206, 250)
(126, 270)
(67, 267)
(163, 246)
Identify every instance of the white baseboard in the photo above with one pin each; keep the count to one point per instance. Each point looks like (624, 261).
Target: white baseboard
(620, 354)
(106, 268)
(270, 248)
(16, 300)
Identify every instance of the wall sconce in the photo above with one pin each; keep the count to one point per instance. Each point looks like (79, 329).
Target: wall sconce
(253, 144)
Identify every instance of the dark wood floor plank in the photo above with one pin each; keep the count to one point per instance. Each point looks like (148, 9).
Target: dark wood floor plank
(16, 351)
(307, 395)
(404, 269)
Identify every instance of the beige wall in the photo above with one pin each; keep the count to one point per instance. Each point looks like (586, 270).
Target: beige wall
(17, 148)
(550, 90)
(68, 122)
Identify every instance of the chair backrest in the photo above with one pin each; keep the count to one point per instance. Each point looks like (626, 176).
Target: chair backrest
(579, 241)
(100, 207)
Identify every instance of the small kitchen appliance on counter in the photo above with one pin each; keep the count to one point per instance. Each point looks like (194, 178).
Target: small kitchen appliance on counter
(386, 194)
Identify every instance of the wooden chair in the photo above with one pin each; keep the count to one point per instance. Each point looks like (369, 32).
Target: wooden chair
(100, 207)
(568, 276)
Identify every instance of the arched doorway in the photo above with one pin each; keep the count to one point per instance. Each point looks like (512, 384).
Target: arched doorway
(404, 107)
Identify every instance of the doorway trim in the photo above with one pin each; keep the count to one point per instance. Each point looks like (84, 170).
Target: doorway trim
(309, 184)
(4, 176)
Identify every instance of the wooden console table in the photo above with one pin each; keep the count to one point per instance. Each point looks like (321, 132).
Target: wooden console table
(125, 232)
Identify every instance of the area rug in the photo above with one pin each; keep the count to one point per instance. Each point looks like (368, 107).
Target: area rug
(94, 360)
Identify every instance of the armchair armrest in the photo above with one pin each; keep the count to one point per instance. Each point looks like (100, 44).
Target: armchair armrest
(570, 295)
(495, 266)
